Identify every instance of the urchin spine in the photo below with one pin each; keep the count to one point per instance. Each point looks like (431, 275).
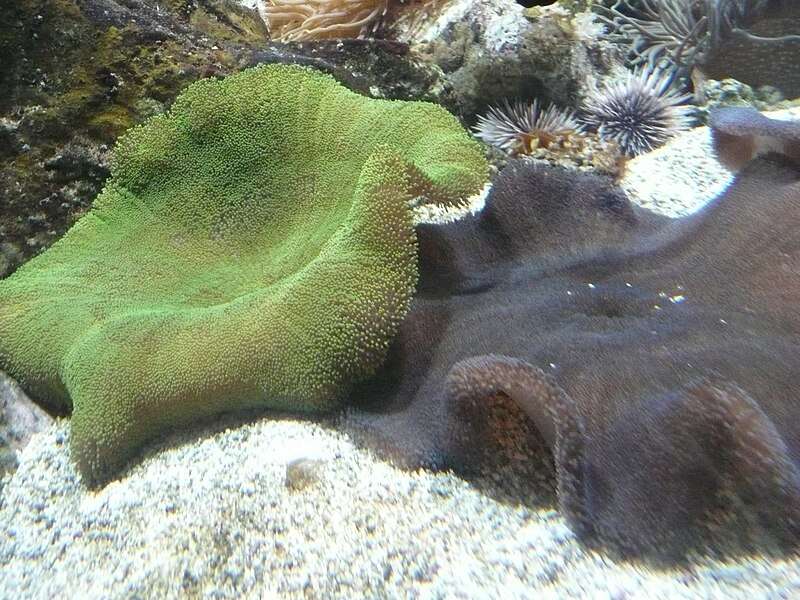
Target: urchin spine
(640, 111)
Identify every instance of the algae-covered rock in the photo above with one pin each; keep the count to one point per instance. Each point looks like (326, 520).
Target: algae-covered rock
(77, 73)
(82, 72)
(729, 92)
(490, 51)
(253, 247)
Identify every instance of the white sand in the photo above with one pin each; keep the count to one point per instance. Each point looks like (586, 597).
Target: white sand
(683, 175)
(209, 515)
(680, 177)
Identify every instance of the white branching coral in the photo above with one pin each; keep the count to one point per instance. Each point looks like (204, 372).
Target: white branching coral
(296, 20)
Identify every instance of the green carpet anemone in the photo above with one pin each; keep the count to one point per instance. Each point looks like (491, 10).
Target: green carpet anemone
(253, 247)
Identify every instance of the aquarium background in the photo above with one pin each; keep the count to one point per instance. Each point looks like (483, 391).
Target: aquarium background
(399, 298)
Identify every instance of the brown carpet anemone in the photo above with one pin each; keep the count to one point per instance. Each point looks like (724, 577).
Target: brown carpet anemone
(659, 359)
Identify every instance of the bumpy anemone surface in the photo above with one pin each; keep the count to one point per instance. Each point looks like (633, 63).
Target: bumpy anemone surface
(658, 358)
(253, 247)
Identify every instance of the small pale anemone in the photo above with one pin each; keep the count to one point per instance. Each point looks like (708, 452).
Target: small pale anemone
(521, 128)
(640, 111)
(295, 20)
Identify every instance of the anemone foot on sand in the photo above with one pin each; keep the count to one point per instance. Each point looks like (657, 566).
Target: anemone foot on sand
(657, 358)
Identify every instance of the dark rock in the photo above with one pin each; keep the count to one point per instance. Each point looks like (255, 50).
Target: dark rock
(377, 68)
(10, 143)
(492, 51)
(10, 257)
(80, 159)
(757, 62)
(78, 73)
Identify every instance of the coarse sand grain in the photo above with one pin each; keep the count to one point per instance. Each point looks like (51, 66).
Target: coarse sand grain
(210, 515)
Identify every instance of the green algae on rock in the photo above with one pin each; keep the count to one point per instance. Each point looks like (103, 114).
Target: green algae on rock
(79, 73)
(253, 247)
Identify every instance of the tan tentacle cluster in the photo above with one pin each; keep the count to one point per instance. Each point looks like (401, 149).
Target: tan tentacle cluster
(296, 20)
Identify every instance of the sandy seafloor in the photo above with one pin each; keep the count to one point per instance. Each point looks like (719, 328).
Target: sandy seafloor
(209, 513)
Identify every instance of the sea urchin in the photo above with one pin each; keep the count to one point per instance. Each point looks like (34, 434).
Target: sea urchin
(638, 112)
(521, 128)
